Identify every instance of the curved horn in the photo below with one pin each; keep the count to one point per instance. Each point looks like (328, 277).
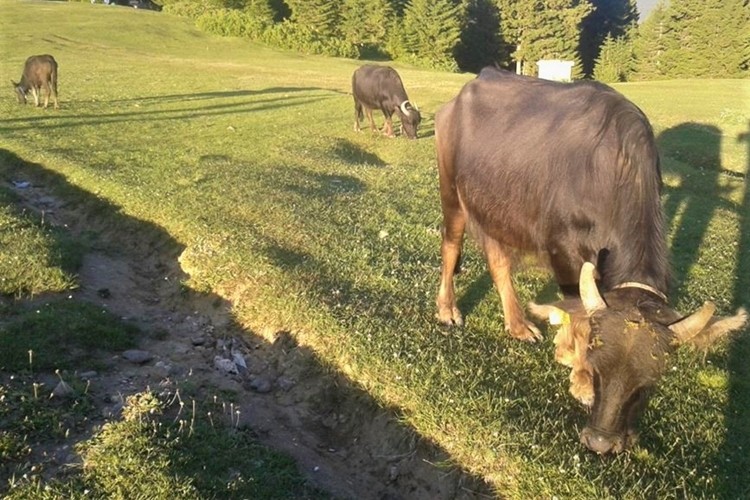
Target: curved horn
(403, 107)
(689, 326)
(592, 300)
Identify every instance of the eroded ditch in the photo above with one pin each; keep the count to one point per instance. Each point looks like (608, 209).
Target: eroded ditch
(342, 440)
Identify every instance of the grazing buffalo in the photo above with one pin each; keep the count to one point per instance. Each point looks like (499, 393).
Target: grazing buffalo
(569, 172)
(38, 72)
(380, 87)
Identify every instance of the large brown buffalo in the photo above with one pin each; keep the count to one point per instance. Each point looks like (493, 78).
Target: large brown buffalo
(570, 172)
(380, 87)
(38, 72)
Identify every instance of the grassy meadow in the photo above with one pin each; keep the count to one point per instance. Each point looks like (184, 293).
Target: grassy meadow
(247, 157)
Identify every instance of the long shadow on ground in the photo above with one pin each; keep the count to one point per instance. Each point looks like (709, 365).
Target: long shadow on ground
(344, 441)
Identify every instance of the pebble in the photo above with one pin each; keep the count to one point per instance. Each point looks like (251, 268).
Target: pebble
(261, 385)
(88, 375)
(285, 383)
(225, 365)
(137, 356)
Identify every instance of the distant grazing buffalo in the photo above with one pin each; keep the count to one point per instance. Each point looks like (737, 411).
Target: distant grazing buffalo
(380, 87)
(38, 72)
(570, 172)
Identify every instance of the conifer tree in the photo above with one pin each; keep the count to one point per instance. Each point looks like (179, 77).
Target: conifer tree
(706, 38)
(616, 60)
(696, 39)
(480, 38)
(542, 29)
(320, 17)
(430, 32)
(649, 45)
(366, 23)
(609, 18)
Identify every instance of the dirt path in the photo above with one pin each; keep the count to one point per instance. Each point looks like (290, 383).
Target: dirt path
(342, 441)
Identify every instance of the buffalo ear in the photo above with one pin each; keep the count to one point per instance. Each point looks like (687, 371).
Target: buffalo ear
(571, 346)
(701, 329)
(565, 341)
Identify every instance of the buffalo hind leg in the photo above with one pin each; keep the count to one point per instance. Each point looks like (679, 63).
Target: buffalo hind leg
(357, 116)
(454, 223)
(499, 263)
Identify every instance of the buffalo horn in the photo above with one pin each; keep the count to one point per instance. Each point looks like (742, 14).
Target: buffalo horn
(689, 326)
(404, 109)
(592, 300)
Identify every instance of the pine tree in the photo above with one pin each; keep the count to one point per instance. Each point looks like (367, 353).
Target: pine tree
(320, 17)
(616, 60)
(610, 18)
(366, 23)
(649, 45)
(480, 41)
(697, 39)
(543, 29)
(430, 32)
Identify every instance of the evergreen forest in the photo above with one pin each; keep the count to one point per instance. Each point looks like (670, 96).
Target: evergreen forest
(606, 39)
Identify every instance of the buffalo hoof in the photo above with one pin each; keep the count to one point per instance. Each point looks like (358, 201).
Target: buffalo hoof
(450, 317)
(527, 332)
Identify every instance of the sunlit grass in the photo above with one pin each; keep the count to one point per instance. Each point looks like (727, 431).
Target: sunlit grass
(247, 157)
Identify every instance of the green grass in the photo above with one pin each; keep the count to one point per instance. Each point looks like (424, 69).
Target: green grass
(34, 257)
(246, 157)
(159, 451)
(61, 334)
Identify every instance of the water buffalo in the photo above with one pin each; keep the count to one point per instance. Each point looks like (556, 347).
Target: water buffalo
(569, 172)
(39, 71)
(380, 87)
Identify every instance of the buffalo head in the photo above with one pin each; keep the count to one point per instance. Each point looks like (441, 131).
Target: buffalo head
(410, 118)
(20, 92)
(617, 346)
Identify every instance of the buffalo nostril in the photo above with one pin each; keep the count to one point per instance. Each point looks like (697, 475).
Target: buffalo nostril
(596, 442)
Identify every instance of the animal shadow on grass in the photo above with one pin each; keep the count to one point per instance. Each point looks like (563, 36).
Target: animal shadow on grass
(697, 146)
(357, 447)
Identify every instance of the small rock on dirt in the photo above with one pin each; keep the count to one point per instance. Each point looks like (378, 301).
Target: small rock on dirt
(261, 385)
(285, 383)
(225, 365)
(87, 375)
(137, 356)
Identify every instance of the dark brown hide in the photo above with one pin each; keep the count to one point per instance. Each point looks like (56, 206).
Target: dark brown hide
(571, 172)
(380, 87)
(38, 72)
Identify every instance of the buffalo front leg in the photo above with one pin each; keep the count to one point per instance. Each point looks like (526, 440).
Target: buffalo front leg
(371, 119)
(454, 223)
(388, 127)
(499, 263)
(35, 92)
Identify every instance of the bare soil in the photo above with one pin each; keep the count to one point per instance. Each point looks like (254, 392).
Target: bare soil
(342, 441)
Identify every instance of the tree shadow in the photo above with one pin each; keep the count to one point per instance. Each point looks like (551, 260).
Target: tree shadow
(222, 103)
(690, 208)
(352, 153)
(335, 412)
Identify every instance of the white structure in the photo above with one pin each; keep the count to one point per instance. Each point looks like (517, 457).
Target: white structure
(555, 69)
